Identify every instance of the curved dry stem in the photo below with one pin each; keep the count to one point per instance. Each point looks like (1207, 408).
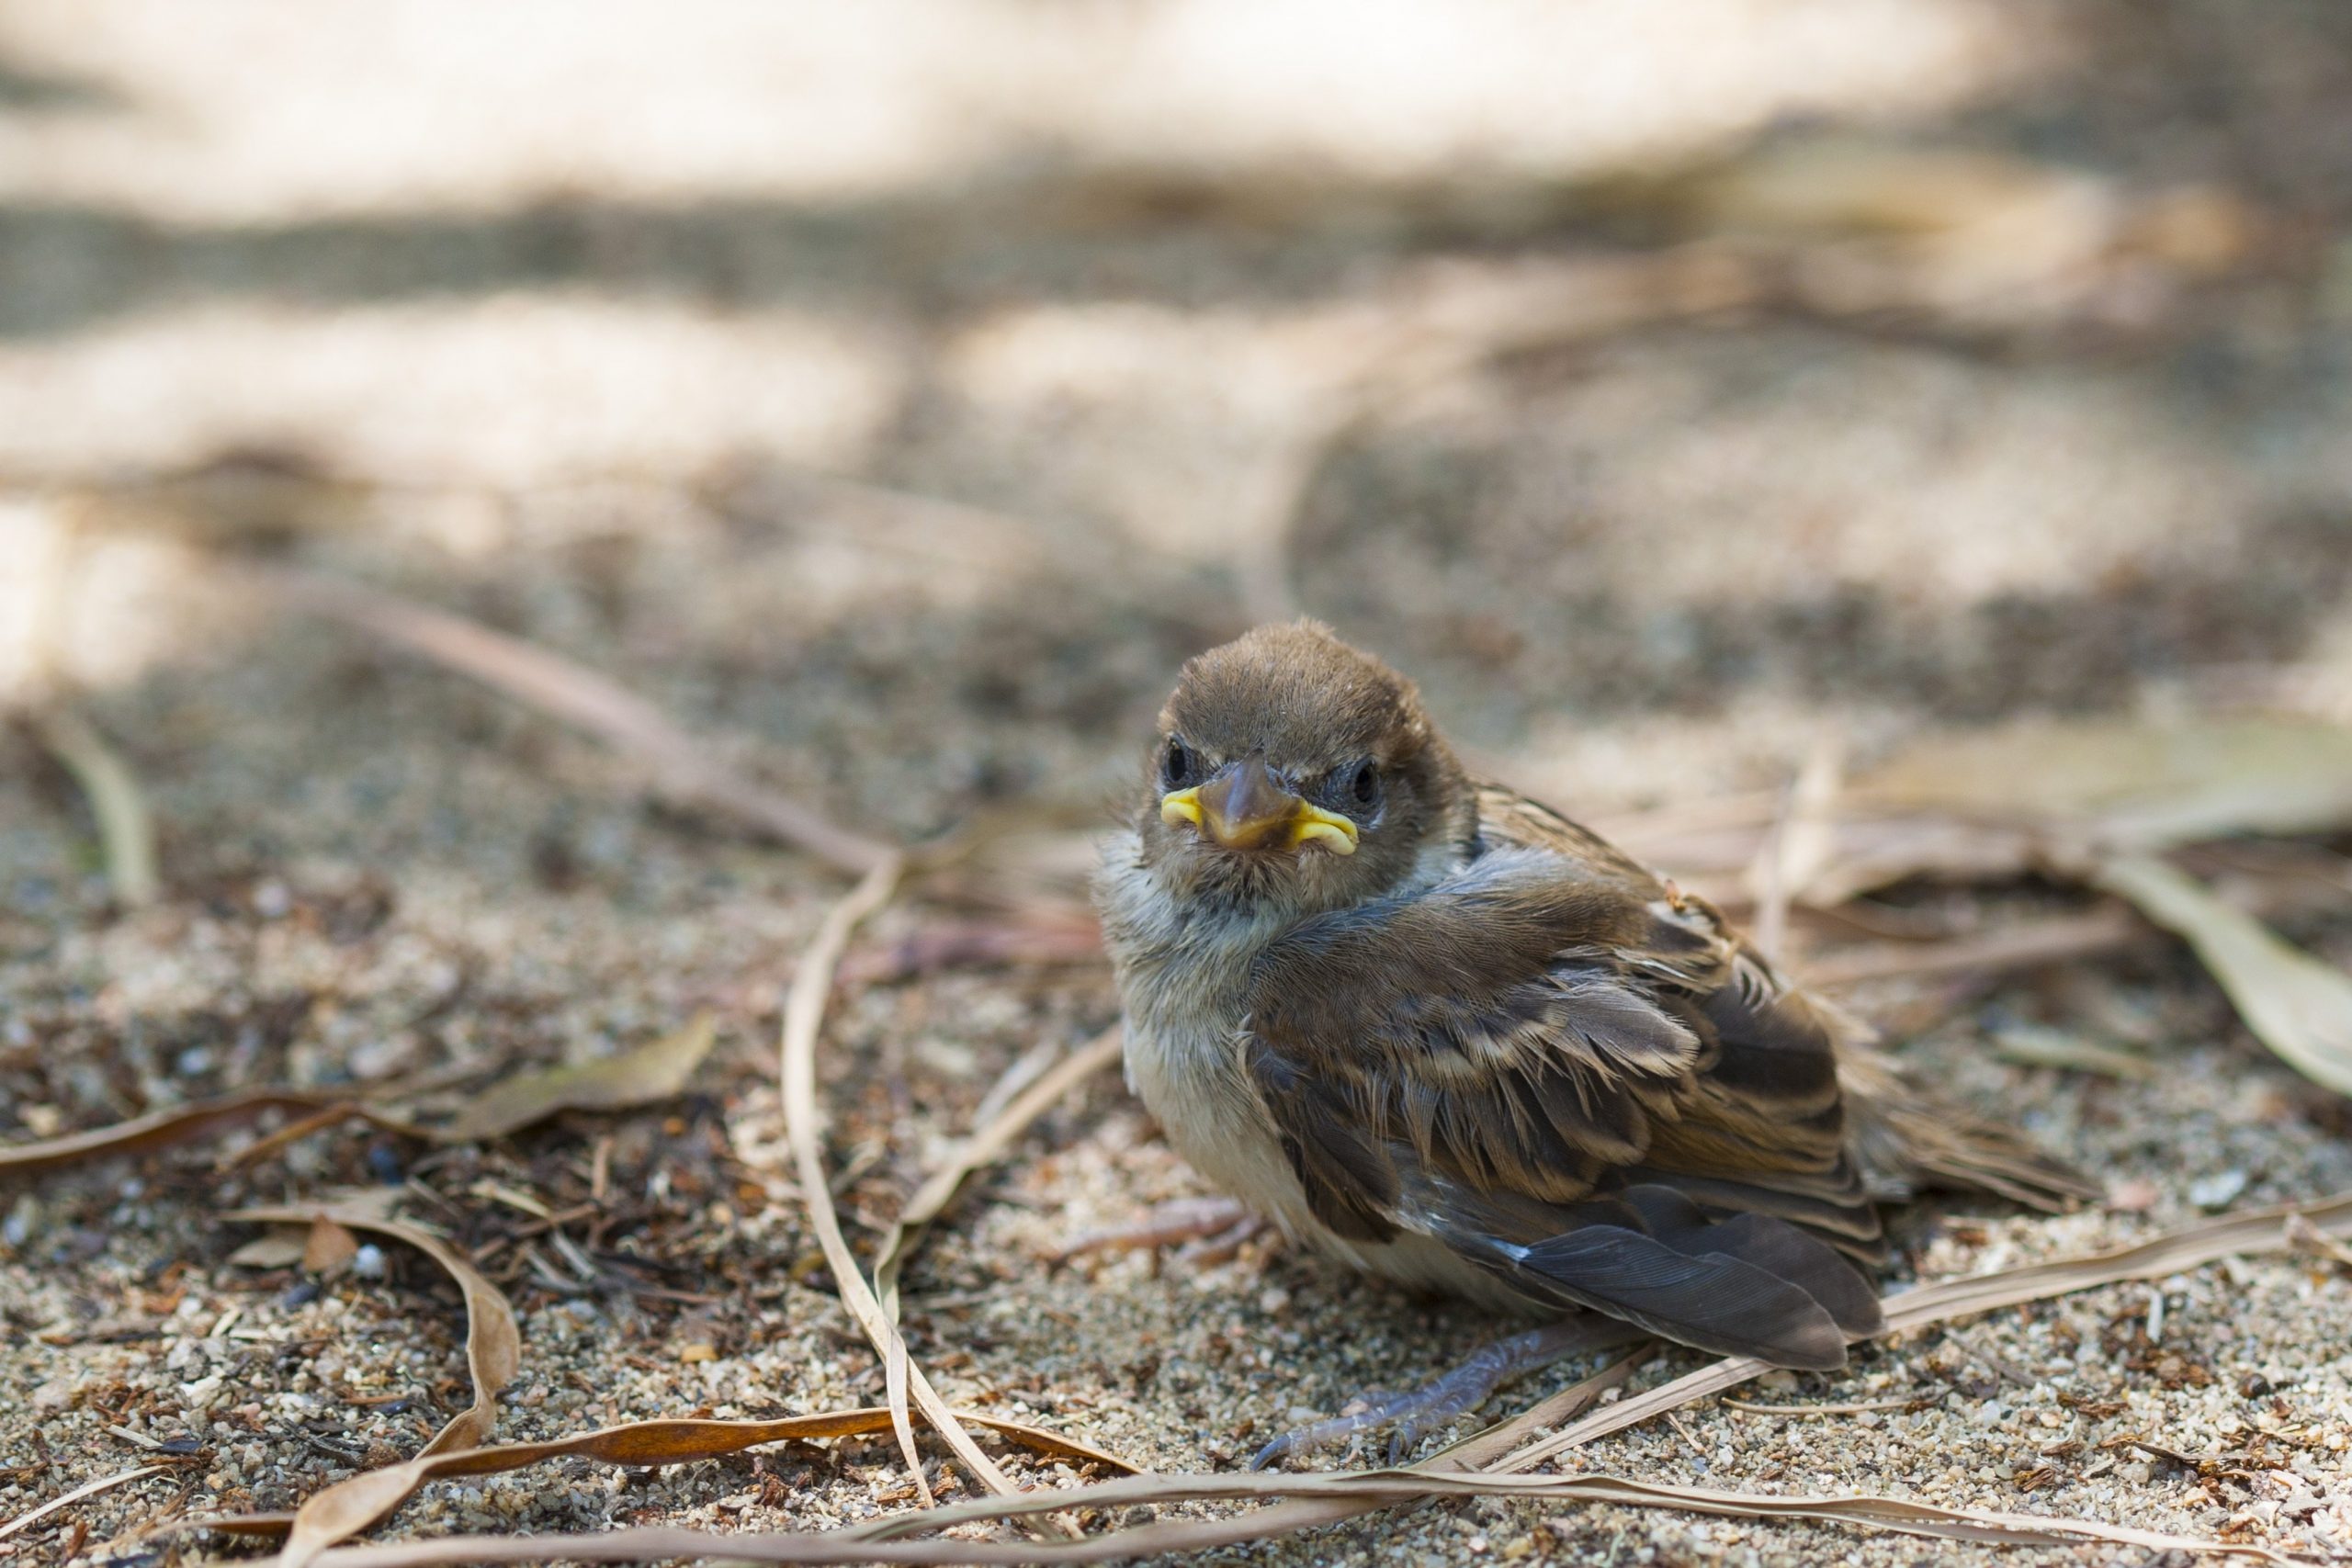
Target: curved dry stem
(804, 1016)
(938, 1191)
(1347, 1494)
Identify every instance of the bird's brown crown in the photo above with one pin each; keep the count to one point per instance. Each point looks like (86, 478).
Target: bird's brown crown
(1298, 696)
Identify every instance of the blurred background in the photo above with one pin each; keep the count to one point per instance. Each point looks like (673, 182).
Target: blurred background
(1696, 398)
(909, 386)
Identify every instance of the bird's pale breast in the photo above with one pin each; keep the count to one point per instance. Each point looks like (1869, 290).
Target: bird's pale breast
(1185, 981)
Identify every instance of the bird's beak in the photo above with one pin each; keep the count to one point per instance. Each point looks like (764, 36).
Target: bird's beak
(1244, 808)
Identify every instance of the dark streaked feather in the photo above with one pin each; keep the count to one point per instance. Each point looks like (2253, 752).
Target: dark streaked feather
(1580, 1082)
(1708, 1300)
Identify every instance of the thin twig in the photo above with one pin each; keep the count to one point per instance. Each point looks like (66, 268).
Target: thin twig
(1864, 1407)
(804, 1015)
(684, 764)
(1980, 1526)
(88, 1489)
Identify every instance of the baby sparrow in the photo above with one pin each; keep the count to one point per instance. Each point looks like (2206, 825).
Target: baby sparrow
(1439, 1031)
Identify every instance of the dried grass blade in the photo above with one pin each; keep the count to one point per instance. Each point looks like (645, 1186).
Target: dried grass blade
(1649, 1405)
(87, 1489)
(939, 1189)
(1338, 1494)
(2299, 1007)
(1984, 1525)
(2250, 1230)
(125, 828)
(158, 1129)
(1482, 1448)
(654, 1443)
(804, 1016)
(1351, 1491)
(681, 763)
(494, 1355)
(650, 1073)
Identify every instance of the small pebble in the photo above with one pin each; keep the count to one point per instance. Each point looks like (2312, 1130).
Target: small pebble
(368, 1263)
(2218, 1191)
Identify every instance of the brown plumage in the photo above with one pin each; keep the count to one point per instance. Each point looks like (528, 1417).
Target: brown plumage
(1445, 1033)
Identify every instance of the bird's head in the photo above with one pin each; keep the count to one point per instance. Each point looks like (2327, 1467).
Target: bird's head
(1291, 770)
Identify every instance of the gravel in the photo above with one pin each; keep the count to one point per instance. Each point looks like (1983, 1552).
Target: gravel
(1648, 566)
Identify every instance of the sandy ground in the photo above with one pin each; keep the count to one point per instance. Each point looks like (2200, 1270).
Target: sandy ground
(897, 402)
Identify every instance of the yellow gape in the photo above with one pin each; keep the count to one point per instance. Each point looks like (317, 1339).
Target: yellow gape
(1244, 808)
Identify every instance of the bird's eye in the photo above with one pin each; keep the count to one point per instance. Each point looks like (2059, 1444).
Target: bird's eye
(1364, 783)
(1175, 764)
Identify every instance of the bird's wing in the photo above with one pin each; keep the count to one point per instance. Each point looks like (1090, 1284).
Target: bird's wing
(1581, 1080)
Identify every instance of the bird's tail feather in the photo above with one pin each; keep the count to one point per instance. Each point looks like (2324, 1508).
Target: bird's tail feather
(1906, 1139)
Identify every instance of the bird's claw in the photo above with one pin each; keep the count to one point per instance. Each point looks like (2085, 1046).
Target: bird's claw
(1414, 1414)
(1419, 1412)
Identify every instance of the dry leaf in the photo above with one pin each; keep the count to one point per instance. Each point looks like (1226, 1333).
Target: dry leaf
(2140, 785)
(632, 1442)
(280, 1247)
(650, 1073)
(2299, 1007)
(329, 1245)
(494, 1355)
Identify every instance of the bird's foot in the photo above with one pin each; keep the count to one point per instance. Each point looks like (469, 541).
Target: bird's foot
(1416, 1414)
(1212, 1229)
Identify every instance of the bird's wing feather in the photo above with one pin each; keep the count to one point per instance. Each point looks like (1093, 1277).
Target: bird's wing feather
(1579, 1080)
